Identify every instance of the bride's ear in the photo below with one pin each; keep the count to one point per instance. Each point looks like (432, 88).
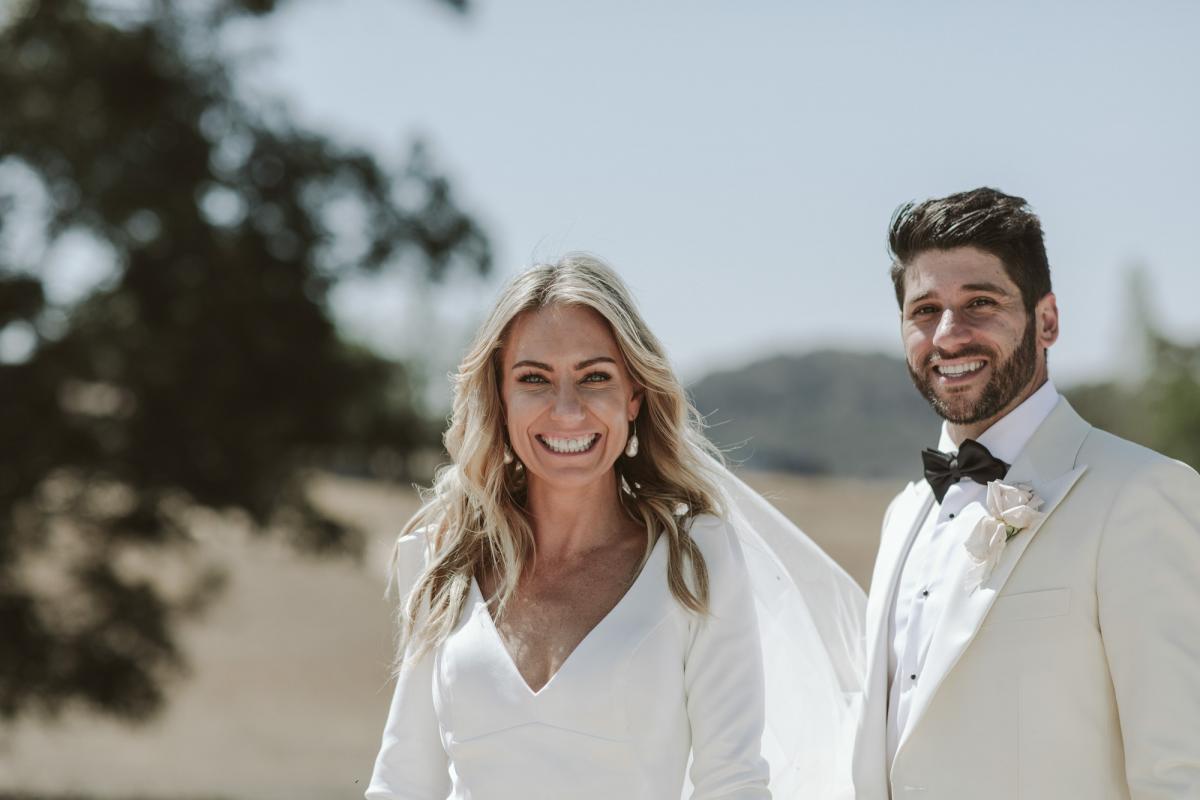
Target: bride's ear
(635, 404)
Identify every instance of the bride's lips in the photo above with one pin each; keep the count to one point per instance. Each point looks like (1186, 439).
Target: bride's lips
(576, 445)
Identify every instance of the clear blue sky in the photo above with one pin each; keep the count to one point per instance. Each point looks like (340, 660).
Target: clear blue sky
(738, 162)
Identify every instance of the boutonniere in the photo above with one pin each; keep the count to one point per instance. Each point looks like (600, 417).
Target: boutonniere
(1010, 510)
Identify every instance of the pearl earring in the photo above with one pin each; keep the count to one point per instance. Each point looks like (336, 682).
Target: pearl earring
(631, 447)
(508, 455)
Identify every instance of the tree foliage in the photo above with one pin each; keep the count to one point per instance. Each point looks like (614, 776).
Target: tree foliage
(205, 369)
(1175, 389)
(1161, 408)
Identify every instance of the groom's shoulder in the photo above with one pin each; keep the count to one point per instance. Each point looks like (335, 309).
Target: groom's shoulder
(1110, 456)
(1145, 501)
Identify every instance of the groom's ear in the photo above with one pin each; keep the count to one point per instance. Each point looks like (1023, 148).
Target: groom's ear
(1046, 317)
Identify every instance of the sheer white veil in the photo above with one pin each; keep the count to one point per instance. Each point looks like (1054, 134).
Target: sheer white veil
(810, 618)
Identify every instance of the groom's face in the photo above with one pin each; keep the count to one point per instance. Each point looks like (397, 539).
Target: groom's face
(973, 350)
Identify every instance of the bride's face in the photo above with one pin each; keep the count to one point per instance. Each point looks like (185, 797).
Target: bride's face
(567, 395)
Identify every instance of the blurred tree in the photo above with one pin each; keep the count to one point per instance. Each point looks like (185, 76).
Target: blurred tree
(1174, 393)
(1158, 405)
(202, 369)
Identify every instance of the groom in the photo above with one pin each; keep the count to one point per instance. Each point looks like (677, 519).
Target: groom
(1034, 618)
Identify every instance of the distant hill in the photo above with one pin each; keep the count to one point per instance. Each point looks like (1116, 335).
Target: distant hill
(826, 412)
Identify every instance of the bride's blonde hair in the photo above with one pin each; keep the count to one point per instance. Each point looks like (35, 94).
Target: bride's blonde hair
(473, 518)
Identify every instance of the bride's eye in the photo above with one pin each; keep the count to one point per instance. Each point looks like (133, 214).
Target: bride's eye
(531, 377)
(596, 377)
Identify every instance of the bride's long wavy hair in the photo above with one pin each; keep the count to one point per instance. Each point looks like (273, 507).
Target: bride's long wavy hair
(474, 517)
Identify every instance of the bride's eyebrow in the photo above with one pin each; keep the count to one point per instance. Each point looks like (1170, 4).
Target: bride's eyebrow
(581, 365)
(596, 360)
(535, 364)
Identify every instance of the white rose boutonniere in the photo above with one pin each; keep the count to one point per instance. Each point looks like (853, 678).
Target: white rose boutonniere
(1010, 510)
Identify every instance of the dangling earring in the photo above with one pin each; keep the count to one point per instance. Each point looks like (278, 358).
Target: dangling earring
(508, 455)
(631, 447)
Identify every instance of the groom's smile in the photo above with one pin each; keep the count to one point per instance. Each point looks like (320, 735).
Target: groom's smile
(958, 373)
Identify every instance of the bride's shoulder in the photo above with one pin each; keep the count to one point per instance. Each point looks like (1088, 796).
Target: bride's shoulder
(717, 540)
(414, 542)
(709, 527)
(724, 564)
(410, 554)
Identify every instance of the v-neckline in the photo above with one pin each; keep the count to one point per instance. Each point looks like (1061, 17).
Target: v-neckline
(490, 623)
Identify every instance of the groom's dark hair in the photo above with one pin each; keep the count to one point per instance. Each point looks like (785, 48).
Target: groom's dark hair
(988, 219)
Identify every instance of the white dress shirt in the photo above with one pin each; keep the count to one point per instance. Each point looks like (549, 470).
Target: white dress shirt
(922, 589)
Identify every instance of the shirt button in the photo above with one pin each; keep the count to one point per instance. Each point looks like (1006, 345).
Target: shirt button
(951, 516)
(913, 676)
(925, 593)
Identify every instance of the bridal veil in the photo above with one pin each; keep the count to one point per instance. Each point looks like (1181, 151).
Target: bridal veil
(810, 617)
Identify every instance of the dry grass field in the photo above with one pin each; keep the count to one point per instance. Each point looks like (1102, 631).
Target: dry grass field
(288, 690)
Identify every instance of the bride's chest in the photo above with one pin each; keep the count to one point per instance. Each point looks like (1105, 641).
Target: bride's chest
(629, 665)
(553, 611)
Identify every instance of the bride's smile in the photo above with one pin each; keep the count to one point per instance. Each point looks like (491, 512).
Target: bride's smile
(568, 445)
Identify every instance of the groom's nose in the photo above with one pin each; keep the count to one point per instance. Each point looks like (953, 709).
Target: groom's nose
(952, 331)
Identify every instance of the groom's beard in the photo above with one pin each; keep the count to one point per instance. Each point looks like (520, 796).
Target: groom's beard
(1008, 380)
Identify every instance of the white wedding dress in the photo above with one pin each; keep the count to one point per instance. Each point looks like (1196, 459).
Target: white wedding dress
(655, 702)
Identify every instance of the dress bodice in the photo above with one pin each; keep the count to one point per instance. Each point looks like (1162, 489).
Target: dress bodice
(648, 684)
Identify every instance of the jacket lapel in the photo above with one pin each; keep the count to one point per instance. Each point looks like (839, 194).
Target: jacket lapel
(1048, 464)
(904, 519)
(903, 524)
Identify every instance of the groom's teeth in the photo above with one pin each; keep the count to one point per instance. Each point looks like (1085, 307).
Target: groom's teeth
(960, 369)
(577, 445)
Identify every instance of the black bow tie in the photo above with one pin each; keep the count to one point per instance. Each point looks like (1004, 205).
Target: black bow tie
(973, 461)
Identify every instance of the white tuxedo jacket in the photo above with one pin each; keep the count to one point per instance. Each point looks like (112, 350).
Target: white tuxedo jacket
(1073, 671)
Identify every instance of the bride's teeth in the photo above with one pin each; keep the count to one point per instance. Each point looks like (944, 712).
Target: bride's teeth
(960, 369)
(569, 445)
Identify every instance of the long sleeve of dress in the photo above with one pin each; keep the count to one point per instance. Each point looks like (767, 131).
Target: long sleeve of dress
(412, 764)
(723, 676)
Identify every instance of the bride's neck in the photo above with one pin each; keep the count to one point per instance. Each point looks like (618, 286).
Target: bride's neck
(577, 519)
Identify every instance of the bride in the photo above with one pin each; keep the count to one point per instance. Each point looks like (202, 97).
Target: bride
(592, 606)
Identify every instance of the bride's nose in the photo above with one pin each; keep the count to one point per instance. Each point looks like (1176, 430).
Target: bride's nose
(567, 405)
